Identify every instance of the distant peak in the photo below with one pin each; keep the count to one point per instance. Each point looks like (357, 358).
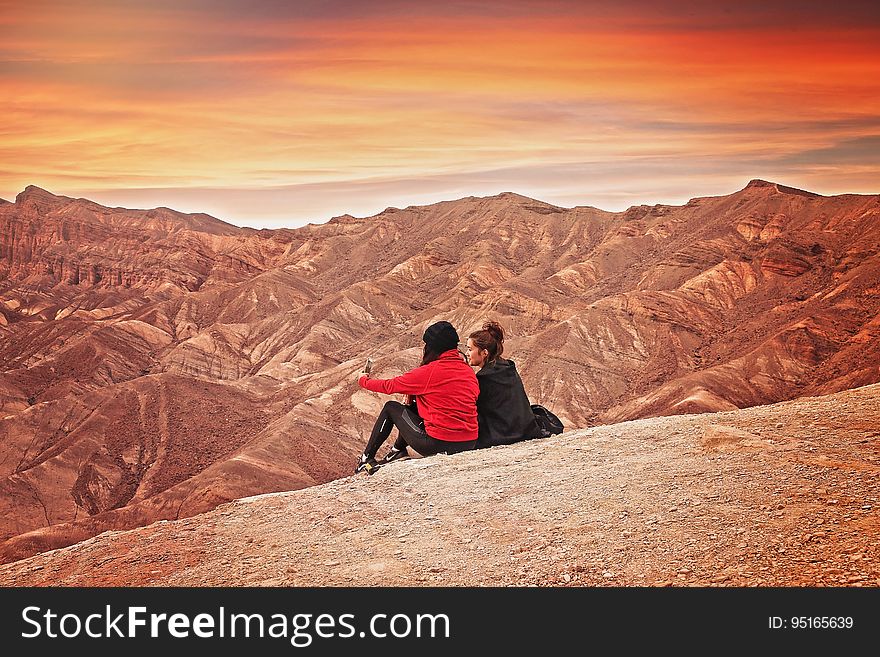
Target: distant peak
(32, 193)
(343, 219)
(519, 199)
(757, 183)
(33, 190)
(513, 196)
(503, 196)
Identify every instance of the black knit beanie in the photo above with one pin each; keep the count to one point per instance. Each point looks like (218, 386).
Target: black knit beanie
(440, 337)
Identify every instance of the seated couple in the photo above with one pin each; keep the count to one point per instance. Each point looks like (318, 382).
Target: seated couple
(450, 409)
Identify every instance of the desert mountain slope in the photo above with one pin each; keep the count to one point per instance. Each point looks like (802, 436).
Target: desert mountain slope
(785, 494)
(156, 364)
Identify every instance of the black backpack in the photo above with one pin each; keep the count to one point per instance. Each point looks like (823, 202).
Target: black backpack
(549, 424)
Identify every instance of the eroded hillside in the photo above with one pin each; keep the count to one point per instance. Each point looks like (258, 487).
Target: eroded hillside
(156, 364)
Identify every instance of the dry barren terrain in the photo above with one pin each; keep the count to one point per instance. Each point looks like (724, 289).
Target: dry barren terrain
(777, 495)
(156, 364)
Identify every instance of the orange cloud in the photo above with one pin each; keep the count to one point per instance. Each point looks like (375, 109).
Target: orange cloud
(166, 97)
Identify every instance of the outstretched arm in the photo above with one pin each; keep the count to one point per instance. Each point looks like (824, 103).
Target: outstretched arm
(414, 382)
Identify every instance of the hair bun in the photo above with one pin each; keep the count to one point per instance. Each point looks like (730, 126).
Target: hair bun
(495, 329)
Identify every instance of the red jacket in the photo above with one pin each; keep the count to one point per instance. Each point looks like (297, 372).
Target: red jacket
(446, 395)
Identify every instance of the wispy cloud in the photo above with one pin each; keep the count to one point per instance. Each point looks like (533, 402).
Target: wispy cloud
(561, 100)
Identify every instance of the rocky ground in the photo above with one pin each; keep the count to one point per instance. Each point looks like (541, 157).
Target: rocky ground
(778, 495)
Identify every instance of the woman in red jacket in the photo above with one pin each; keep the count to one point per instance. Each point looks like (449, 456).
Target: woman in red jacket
(445, 389)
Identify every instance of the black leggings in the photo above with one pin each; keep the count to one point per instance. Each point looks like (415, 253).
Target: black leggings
(411, 431)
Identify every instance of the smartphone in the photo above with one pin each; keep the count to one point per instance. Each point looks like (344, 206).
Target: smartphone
(368, 365)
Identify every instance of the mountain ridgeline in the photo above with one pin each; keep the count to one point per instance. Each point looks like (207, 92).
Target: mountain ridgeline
(156, 364)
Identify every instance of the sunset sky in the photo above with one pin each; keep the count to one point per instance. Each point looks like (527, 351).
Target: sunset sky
(279, 113)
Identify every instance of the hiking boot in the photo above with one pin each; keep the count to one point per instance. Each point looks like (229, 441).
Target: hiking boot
(366, 464)
(394, 455)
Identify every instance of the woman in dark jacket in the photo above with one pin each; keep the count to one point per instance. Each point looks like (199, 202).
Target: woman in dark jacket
(445, 415)
(504, 413)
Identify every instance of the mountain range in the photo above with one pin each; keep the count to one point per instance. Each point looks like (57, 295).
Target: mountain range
(156, 364)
